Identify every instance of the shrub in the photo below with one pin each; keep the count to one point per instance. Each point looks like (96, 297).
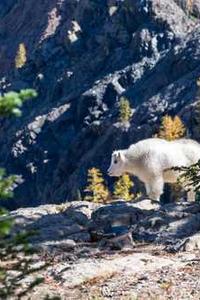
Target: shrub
(125, 111)
(171, 128)
(96, 190)
(20, 58)
(122, 188)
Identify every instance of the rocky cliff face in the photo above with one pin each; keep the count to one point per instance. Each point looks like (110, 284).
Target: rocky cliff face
(82, 56)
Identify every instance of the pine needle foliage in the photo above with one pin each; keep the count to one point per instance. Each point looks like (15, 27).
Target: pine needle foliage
(21, 56)
(6, 184)
(191, 175)
(14, 246)
(125, 111)
(11, 102)
(171, 128)
(122, 188)
(96, 191)
(10, 105)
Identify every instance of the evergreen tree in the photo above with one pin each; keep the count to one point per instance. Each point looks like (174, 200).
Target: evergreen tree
(10, 104)
(96, 190)
(171, 128)
(191, 175)
(21, 57)
(122, 188)
(125, 111)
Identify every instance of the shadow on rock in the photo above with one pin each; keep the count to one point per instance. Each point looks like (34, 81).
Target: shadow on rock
(56, 224)
(118, 225)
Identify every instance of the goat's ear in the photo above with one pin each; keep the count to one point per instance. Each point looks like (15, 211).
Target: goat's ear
(114, 154)
(121, 156)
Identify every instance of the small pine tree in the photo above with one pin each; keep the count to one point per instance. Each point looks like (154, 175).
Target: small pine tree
(21, 57)
(171, 129)
(122, 188)
(125, 111)
(96, 189)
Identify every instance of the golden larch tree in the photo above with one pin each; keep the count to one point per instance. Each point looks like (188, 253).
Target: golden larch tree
(122, 188)
(171, 128)
(21, 57)
(189, 6)
(125, 111)
(96, 189)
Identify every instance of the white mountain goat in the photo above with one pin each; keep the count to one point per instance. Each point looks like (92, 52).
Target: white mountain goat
(151, 161)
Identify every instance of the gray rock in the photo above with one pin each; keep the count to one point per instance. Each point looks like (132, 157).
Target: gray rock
(115, 226)
(192, 243)
(119, 241)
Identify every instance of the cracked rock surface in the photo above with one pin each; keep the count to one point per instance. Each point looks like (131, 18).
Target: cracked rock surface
(116, 250)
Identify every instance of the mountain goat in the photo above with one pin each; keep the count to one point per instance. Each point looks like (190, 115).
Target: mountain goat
(151, 161)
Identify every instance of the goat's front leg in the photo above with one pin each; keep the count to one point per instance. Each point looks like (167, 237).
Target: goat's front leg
(155, 188)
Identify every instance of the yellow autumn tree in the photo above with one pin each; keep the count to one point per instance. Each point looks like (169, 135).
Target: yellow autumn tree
(96, 190)
(171, 128)
(21, 57)
(189, 6)
(125, 111)
(122, 188)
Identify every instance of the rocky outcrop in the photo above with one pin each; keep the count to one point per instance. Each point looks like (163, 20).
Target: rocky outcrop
(113, 251)
(116, 225)
(82, 56)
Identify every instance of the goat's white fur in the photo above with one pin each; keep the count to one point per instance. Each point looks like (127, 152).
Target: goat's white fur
(151, 161)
